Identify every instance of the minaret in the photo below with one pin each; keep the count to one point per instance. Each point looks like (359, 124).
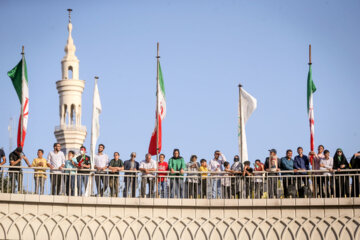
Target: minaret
(70, 134)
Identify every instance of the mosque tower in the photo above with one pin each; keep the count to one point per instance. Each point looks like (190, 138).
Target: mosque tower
(70, 133)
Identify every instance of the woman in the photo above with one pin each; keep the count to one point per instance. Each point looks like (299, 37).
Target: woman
(326, 164)
(341, 180)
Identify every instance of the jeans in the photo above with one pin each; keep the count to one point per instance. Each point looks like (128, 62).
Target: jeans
(130, 183)
(192, 190)
(216, 188)
(18, 177)
(272, 187)
(39, 184)
(102, 182)
(56, 183)
(82, 180)
(70, 184)
(226, 190)
(151, 182)
(162, 188)
(114, 185)
(203, 184)
(176, 187)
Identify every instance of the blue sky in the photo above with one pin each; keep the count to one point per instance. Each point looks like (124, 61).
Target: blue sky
(207, 48)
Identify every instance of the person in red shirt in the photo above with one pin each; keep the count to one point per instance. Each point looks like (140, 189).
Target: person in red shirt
(162, 181)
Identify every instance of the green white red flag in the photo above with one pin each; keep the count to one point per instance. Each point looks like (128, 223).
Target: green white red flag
(19, 78)
(310, 107)
(156, 137)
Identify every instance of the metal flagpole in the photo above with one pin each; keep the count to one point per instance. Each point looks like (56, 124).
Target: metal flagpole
(22, 97)
(240, 125)
(311, 141)
(157, 116)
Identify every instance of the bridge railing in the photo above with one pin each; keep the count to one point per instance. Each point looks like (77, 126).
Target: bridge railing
(190, 184)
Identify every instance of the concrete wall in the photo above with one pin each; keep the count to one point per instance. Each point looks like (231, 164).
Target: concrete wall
(59, 217)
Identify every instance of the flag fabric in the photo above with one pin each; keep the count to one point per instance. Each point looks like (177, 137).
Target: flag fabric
(160, 115)
(95, 126)
(247, 105)
(310, 107)
(19, 78)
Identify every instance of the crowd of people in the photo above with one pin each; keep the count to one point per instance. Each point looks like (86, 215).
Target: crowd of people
(216, 178)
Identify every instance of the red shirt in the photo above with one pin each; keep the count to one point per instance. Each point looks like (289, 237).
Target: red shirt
(162, 166)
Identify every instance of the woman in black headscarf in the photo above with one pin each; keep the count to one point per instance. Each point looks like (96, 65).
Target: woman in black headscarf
(341, 181)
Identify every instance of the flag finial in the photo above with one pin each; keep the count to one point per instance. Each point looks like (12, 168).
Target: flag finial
(310, 54)
(240, 86)
(69, 10)
(22, 50)
(157, 56)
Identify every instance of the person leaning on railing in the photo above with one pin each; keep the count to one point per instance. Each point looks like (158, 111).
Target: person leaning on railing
(327, 163)
(248, 175)
(16, 173)
(237, 180)
(318, 180)
(84, 164)
(355, 164)
(176, 164)
(40, 175)
(287, 164)
(130, 178)
(302, 165)
(101, 161)
(258, 169)
(56, 162)
(70, 163)
(272, 164)
(216, 165)
(226, 181)
(162, 180)
(204, 174)
(341, 182)
(192, 178)
(147, 167)
(2, 162)
(115, 166)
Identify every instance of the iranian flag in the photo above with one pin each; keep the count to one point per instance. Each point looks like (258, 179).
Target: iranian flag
(156, 139)
(310, 107)
(19, 78)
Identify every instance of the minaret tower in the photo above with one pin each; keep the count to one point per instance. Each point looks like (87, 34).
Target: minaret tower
(70, 134)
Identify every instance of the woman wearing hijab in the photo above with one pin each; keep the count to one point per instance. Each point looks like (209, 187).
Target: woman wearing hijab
(341, 181)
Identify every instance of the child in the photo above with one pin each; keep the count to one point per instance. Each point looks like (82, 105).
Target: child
(70, 178)
(249, 183)
(203, 168)
(226, 181)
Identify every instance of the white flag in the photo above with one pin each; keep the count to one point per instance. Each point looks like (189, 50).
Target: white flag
(95, 126)
(247, 107)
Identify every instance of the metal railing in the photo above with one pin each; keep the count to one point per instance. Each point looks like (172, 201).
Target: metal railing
(160, 184)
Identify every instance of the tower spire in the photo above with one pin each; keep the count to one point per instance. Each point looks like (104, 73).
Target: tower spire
(70, 47)
(69, 10)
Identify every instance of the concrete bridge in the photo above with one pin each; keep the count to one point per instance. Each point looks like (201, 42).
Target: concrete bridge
(29, 216)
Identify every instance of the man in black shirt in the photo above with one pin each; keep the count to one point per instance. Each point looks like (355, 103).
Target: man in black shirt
(16, 173)
(2, 157)
(249, 180)
(84, 164)
(115, 166)
(130, 178)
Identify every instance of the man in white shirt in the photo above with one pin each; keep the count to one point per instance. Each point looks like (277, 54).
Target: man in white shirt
(216, 165)
(101, 161)
(56, 162)
(146, 167)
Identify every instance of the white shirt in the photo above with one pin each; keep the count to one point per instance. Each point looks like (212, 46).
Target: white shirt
(101, 161)
(226, 181)
(328, 164)
(148, 165)
(56, 160)
(217, 165)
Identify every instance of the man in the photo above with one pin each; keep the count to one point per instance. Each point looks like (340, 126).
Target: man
(327, 179)
(237, 180)
(287, 164)
(192, 178)
(130, 178)
(116, 165)
(70, 163)
(355, 164)
(147, 166)
(249, 183)
(56, 162)
(176, 164)
(101, 161)
(301, 164)
(216, 165)
(40, 175)
(162, 181)
(2, 162)
(272, 165)
(84, 164)
(16, 173)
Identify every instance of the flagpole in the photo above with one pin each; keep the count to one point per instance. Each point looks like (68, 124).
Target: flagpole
(311, 141)
(240, 127)
(157, 114)
(22, 97)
